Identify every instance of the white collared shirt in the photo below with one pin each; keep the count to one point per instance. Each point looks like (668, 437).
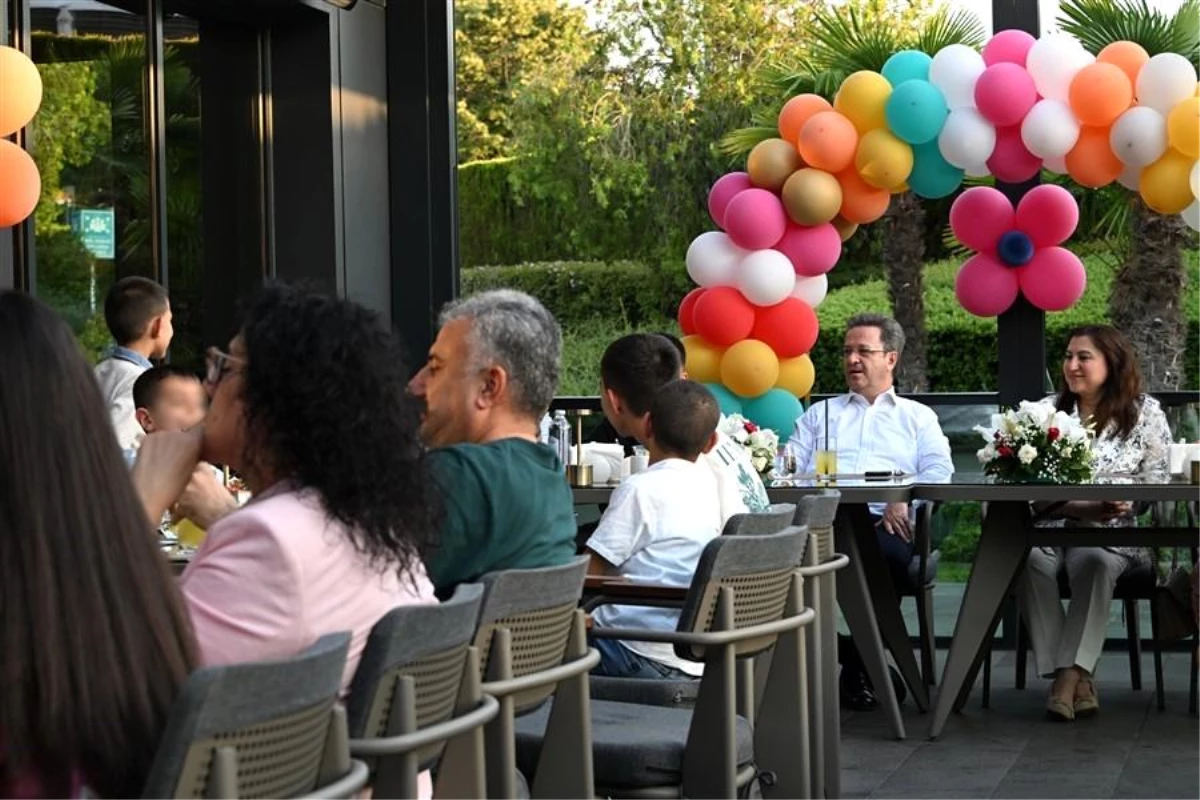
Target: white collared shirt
(893, 433)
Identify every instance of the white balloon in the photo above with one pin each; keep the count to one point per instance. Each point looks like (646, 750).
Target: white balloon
(966, 138)
(712, 259)
(1056, 164)
(1053, 61)
(977, 170)
(1050, 129)
(766, 277)
(1195, 179)
(1164, 80)
(811, 290)
(954, 70)
(1139, 136)
(1131, 178)
(1191, 215)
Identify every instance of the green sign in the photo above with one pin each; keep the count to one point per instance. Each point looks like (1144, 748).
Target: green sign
(97, 229)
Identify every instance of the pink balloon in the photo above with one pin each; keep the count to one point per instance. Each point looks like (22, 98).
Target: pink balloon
(985, 287)
(1004, 94)
(724, 190)
(812, 250)
(980, 216)
(1049, 214)
(1054, 280)
(1011, 162)
(1008, 46)
(755, 219)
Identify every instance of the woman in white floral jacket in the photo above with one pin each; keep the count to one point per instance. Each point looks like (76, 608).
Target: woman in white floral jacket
(1103, 388)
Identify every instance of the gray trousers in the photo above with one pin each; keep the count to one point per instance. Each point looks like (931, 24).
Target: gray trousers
(1074, 637)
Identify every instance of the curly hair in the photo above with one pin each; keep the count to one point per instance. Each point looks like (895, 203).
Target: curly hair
(326, 407)
(1119, 404)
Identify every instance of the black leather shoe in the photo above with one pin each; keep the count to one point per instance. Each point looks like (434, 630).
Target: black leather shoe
(855, 691)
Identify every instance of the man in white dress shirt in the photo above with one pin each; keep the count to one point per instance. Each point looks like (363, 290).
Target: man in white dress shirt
(875, 430)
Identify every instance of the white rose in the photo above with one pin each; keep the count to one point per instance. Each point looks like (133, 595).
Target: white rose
(986, 454)
(1027, 453)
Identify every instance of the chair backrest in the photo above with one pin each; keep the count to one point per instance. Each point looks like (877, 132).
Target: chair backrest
(758, 569)
(756, 523)
(427, 643)
(817, 512)
(535, 607)
(273, 717)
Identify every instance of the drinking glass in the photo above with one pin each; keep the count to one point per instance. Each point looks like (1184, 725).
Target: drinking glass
(826, 451)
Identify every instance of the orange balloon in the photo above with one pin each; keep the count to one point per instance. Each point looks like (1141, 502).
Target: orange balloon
(20, 90)
(1091, 162)
(1129, 56)
(828, 141)
(861, 202)
(795, 113)
(20, 184)
(1100, 93)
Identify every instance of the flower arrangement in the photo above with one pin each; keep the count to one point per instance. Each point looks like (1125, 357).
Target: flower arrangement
(1036, 443)
(761, 443)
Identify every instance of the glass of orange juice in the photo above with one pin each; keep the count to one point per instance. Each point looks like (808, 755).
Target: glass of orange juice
(826, 457)
(188, 533)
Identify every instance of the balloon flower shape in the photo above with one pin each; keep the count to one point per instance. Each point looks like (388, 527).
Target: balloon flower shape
(1017, 250)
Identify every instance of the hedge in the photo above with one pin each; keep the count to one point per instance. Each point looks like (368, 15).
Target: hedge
(596, 302)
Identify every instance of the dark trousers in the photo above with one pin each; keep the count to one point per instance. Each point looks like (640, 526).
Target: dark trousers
(897, 554)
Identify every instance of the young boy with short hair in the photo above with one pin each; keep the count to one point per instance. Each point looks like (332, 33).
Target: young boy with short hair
(656, 526)
(167, 398)
(138, 314)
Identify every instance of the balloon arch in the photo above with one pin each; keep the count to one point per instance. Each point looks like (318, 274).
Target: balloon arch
(20, 96)
(923, 124)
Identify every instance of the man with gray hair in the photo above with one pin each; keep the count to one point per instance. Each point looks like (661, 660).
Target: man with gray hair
(489, 378)
(873, 430)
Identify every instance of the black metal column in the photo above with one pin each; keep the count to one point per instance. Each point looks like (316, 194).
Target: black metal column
(1022, 329)
(18, 263)
(422, 161)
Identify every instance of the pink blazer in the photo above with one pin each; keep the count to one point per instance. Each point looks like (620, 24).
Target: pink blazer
(276, 575)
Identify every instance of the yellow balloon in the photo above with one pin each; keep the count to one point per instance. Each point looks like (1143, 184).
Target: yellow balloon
(862, 98)
(1183, 127)
(703, 360)
(1165, 185)
(749, 368)
(883, 161)
(796, 375)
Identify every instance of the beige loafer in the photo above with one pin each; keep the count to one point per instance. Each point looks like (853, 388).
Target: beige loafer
(1089, 704)
(1059, 711)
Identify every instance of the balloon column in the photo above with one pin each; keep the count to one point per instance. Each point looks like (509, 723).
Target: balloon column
(20, 96)
(923, 123)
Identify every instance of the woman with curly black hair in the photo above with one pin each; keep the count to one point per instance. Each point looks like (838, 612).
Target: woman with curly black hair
(308, 404)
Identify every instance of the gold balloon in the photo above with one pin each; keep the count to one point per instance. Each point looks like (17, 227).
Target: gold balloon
(883, 160)
(749, 368)
(1165, 184)
(863, 99)
(771, 162)
(1183, 127)
(845, 227)
(811, 196)
(796, 375)
(703, 362)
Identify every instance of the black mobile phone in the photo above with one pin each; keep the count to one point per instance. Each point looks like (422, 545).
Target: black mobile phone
(878, 476)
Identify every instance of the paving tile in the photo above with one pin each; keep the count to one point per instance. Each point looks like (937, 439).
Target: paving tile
(1052, 785)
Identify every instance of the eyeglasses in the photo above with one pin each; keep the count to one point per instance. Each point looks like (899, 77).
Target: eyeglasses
(218, 364)
(862, 352)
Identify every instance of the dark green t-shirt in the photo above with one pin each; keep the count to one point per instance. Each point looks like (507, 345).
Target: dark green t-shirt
(507, 506)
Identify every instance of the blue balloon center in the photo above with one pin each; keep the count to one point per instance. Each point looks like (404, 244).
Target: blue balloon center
(1015, 249)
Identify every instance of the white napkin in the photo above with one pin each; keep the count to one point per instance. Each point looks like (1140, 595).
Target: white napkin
(1181, 456)
(605, 460)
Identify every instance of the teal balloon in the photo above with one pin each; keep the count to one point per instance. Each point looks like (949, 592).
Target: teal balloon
(932, 176)
(729, 402)
(907, 65)
(916, 111)
(778, 410)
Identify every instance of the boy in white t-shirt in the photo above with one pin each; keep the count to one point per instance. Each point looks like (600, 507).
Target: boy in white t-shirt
(656, 527)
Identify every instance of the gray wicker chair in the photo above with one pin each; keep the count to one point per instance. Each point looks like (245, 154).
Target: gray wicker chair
(532, 640)
(744, 599)
(270, 729)
(416, 692)
(683, 692)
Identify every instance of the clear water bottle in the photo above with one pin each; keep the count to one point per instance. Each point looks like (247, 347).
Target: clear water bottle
(562, 436)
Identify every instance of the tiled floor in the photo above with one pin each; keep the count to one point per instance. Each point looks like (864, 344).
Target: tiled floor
(1010, 750)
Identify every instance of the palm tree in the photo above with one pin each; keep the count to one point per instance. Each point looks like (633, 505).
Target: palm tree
(1146, 294)
(843, 41)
